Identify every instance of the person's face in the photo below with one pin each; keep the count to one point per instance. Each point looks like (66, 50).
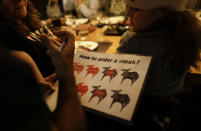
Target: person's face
(14, 8)
(142, 19)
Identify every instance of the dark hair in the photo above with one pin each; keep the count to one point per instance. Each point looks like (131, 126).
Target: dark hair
(185, 31)
(30, 23)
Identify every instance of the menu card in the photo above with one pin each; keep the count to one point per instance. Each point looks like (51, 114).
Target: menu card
(110, 84)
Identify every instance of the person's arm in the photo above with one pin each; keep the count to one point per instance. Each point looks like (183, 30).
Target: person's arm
(23, 106)
(88, 11)
(26, 58)
(69, 114)
(68, 5)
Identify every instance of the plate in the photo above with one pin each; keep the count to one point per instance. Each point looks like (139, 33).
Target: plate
(112, 20)
(86, 45)
(76, 21)
(198, 15)
(116, 30)
(116, 19)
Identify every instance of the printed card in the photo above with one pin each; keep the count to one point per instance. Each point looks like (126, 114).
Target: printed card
(110, 83)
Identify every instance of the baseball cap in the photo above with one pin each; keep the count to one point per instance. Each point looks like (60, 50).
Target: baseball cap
(177, 5)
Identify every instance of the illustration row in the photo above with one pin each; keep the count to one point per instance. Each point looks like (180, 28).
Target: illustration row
(107, 71)
(123, 99)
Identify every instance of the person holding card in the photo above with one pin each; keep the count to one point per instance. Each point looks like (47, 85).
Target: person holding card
(22, 103)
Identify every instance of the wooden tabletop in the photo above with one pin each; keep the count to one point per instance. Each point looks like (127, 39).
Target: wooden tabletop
(107, 44)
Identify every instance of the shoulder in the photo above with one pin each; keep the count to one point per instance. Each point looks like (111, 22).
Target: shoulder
(24, 58)
(146, 43)
(15, 78)
(126, 42)
(126, 37)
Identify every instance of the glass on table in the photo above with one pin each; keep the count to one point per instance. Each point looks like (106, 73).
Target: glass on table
(96, 21)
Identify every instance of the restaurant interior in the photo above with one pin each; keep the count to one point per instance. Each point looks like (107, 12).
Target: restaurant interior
(101, 32)
(104, 31)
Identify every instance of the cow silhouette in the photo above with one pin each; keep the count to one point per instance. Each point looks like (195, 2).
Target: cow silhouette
(100, 93)
(78, 68)
(92, 70)
(123, 99)
(82, 89)
(109, 72)
(133, 76)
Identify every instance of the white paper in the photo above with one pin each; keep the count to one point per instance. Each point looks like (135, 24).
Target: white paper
(85, 81)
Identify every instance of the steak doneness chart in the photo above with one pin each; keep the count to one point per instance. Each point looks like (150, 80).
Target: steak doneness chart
(110, 83)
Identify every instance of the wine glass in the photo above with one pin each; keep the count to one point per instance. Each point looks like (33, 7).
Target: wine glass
(96, 21)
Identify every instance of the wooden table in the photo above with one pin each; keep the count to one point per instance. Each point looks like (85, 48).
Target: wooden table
(107, 44)
(111, 42)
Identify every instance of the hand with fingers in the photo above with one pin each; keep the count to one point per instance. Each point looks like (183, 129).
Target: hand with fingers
(63, 35)
(52, 78)
(68, 100)
(48, 86)
(63, 60)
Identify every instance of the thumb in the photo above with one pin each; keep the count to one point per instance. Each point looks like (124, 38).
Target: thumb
(51, 78)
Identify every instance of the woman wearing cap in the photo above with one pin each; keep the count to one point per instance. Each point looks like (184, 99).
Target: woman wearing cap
(169, 33)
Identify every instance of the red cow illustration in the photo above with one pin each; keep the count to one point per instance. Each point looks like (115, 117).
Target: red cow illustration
(107, 72)
(78, 68)
(82, 89)
(92, 70)
(100, 93)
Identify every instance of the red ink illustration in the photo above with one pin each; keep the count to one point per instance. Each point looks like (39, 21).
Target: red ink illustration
(78, 68)
(100, 93)
(82, 89)
(92, 70)
(109, 72)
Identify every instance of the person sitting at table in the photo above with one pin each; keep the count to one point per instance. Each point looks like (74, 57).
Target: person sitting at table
(114, 7)
(82, 8)
(49, 8)
(106, 7)
(18, 20)
(170, 34)
(51, 12)
(23, 106)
